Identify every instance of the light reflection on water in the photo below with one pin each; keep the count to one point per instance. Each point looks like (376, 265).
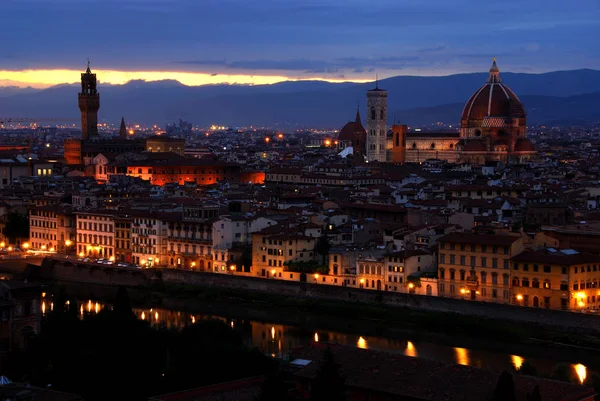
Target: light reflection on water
(276, 340)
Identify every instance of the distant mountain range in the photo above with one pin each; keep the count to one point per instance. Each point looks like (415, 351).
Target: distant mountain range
(562, 97)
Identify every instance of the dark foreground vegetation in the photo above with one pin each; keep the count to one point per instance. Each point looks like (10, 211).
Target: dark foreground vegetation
(113, 355)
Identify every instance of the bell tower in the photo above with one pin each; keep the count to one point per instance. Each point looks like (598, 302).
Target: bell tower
(376, 124)
(89, 103)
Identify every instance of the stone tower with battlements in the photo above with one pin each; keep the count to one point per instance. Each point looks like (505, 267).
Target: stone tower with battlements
(89, 103)
(376, 124)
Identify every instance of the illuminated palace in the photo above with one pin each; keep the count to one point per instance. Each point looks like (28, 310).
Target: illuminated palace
(158, 159)
(493, 127)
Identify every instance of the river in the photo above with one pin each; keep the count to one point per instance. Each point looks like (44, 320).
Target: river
(276, 340)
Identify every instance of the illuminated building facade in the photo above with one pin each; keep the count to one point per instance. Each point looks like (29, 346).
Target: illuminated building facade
(51, 228)
(477, 266)
(123, 238)
(493, 127)
(272, 249)
(96, 234)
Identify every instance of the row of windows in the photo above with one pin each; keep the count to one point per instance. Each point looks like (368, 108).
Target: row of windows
(473, 261)
(535, 283)
(43, 223)
(583, 286)
(35, 234)
(83, 225)
(95, 239)
(463, 276)
(536, 268)
(370, 269)
(473, 248)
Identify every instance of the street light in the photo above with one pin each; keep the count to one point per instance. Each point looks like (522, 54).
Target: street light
(519, 297)
(316, 276)
(2, 244)
(193, 264)
(273, 272)
(26, 245)
(68, 242)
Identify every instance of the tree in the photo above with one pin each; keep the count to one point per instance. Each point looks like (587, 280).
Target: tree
(536, 395)
(561, 373)
(505, 389)
(527, 368)
(273, 389)
(17, 226)
(323, 246)
(122, 305)
(328, 385)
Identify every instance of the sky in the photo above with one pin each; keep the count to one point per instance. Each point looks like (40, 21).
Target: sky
(47, 42)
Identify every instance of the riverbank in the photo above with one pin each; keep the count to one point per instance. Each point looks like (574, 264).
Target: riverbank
(400, 324)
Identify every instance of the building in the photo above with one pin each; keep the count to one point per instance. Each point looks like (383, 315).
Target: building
(123, 238)
(163, 143)
(96, 234)
(167, 167)
(404, 272)
(370, 273)
(376, 124)
(353, 135)
(556, 279)
(492, 128)
(274, 248)
(52, 228)
(189, 241)
(477, 266)
(149, 238)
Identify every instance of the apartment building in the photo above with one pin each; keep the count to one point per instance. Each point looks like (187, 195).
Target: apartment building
(556, 279)
(149, 239)
(52, 228)
(477, 266)
(405, 271)
(96, 233)
(189, 243)
(123, 238)
(274, 247)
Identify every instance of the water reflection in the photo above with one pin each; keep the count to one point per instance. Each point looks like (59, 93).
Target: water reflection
(517, 361)
(277, 340)
(581, 372)
(410, 349)
(462, 356)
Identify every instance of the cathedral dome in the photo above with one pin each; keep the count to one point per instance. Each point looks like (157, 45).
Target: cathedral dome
(524, 145)
(494, 99)
(352, 129)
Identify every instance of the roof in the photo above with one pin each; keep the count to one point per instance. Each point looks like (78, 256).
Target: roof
(424, 379)
(493, 99)
(524, 145)
(353, 129)
(480, 239)
(555, 257)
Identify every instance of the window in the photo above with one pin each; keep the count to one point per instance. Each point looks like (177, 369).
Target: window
(547, 284)
(525, 282)
(535, 268)
(516, 266)
(483, 249)
(462, 275)
(575, 287)
(525, 267)
(452, 259)
(463, 260)
(506, 264)
(473, 261)
(483, 277)
(452, 274)
(483, 262)
(442, 258)
(495, 263)
(547, 269)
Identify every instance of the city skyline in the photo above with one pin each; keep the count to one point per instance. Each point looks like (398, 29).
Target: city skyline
(216, 42)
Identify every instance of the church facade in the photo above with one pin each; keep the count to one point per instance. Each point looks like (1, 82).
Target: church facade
(493, 127)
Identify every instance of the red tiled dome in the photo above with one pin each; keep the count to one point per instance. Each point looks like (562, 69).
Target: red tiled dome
(494, 99)
(524, 145)
(351, 129)
(474, 145)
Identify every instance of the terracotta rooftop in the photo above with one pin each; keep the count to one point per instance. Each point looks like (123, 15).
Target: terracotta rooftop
(481, 239)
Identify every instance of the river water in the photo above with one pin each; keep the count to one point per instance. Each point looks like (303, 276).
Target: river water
(277, 339)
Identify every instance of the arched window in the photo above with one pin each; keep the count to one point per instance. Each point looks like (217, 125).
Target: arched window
(414, 145)
(477, 133)
(442, 273)
(428, 290)
(515, 281)
(397, 139)
(382, 115)
(451, 146)
(432, 146)
(373, 113)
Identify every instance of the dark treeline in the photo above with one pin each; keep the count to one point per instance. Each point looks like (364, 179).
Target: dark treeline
(113, 355)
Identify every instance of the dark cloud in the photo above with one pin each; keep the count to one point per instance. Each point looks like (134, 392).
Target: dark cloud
(311, 35)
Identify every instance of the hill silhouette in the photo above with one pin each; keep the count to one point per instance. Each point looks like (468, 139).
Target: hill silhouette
(560, 95)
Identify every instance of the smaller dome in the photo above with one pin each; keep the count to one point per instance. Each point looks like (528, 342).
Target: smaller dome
(501, 142)
(524, 145)
(474, 145)
(352, 129)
